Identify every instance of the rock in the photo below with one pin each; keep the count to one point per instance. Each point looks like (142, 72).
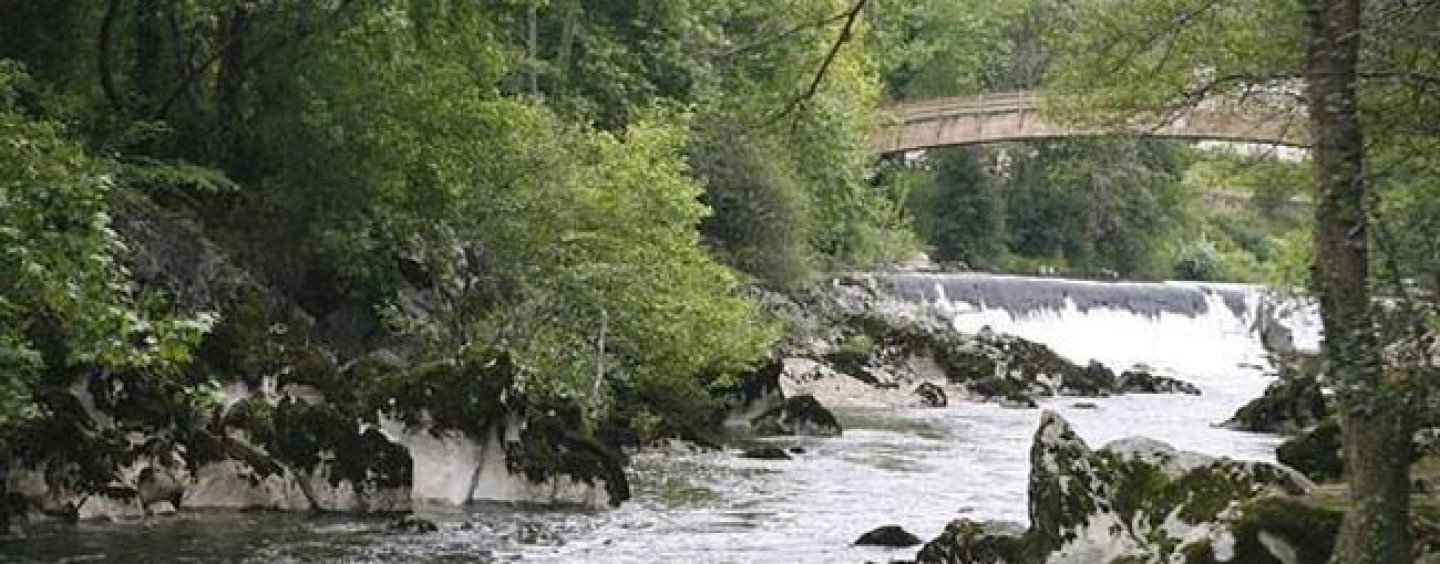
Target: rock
(765, 453)
(1134, 499)
(155, 485)
(1315, 452)
(800, 415)
(1288, 405)
(889, 535)
(756, 392)
(1140, 381)
(797, 450)
(968, 542)
(1267, 529)
(931, 395)
(1094, 380)
(412, 524)
(1084, 405)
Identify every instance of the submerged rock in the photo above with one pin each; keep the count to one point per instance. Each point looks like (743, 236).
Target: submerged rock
(800, 415)
(414, 525)
(765, 453)
(931, 395)
(889, 535)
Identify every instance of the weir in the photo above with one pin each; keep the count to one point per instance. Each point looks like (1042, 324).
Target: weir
(1194, 328)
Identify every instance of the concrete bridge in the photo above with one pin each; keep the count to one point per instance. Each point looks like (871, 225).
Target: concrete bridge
(1015, 116)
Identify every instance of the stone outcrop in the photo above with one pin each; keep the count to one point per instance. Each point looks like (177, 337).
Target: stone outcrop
(1134, 500)
(800, 415)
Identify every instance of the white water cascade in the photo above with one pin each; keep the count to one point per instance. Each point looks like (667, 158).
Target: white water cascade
(1207, 333)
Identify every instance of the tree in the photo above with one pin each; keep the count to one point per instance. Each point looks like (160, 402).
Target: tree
(1267, 57)
(1375, 408)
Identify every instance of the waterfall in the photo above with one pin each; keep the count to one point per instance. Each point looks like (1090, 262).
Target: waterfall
(1199, 329)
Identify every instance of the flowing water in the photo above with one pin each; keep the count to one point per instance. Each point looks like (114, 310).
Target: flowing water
(917, 468)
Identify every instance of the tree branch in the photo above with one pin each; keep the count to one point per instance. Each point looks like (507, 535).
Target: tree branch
(851, 16)
(107, 33)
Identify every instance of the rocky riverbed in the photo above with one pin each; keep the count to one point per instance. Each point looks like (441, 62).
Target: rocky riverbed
(933, 425)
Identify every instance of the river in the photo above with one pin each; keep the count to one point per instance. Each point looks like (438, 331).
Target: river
(918, 468)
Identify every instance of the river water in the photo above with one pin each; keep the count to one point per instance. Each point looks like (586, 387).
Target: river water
(918, 468)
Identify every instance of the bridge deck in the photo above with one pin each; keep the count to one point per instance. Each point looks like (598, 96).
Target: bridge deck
(1016, 116)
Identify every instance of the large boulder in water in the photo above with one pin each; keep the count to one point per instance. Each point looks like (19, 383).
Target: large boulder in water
(1134, 500)
(1287, 406)
(800, 415)
(1134, 497)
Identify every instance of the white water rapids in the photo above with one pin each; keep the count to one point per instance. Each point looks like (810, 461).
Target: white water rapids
(918, 468)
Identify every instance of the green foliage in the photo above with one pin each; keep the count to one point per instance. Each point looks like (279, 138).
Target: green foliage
(65, 296)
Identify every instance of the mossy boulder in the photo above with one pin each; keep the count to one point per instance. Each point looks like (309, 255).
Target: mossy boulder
(1139, 380)
(553, 444)
(1288, 405)
(1315, 452)
(970, 542)
(800, 415)
(1094, 380)
(1267, 530)
(1134, 498)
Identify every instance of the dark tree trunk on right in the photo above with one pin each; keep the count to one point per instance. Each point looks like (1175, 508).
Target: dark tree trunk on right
(1373, 408)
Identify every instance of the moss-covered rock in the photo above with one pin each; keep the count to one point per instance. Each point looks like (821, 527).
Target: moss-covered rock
(800, 415)
(1138, 380)
(1295, 401)
(1315, 452)
(968, 542)
(1134, 498)
(1268, 530)
(553, 445)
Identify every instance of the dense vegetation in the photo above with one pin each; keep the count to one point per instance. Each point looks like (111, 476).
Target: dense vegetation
(586, 187)
(195, 192)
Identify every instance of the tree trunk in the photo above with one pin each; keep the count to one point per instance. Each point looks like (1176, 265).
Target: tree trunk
(229, 83)
(1373, 411)
(150, 56)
